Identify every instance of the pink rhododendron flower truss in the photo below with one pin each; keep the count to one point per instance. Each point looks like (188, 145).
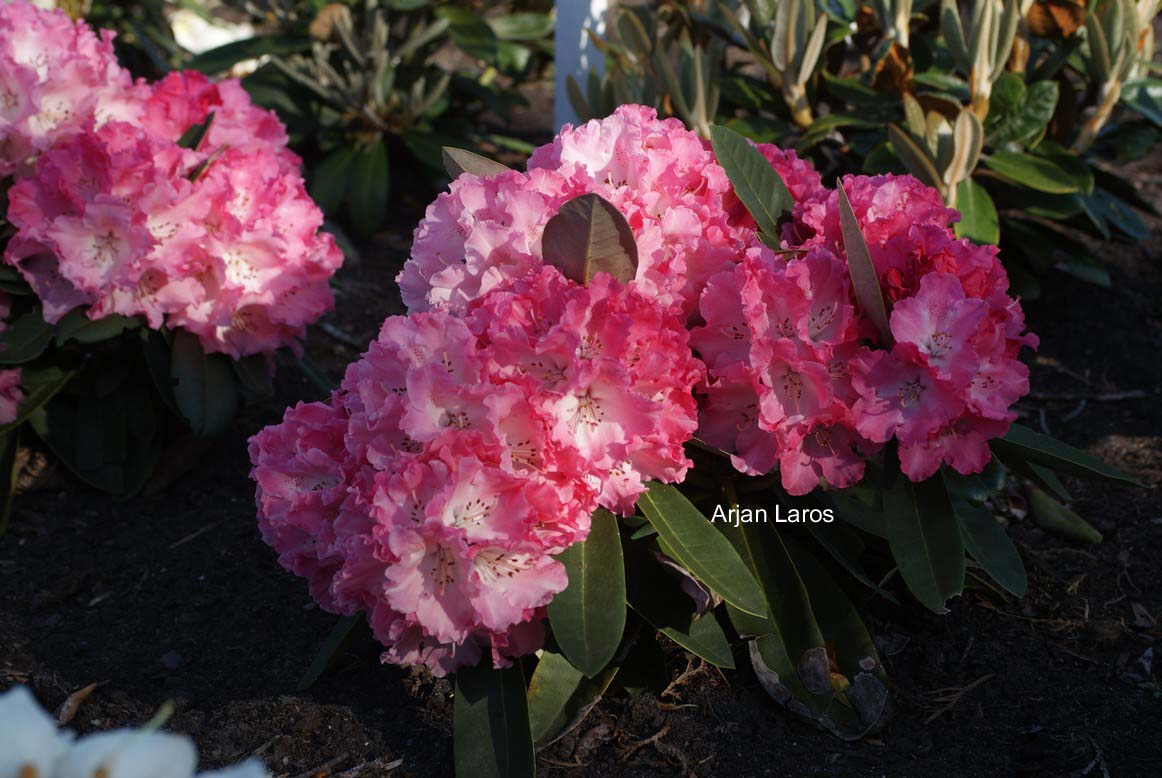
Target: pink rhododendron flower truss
(57, 78)
(799, 380)
(461, 453)
(664, 180)
(115, 215)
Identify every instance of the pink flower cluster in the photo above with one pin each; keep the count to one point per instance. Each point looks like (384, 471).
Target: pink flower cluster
(461, 453)
(678, 202)
(112, 213)
(793, 380)
(57, 77)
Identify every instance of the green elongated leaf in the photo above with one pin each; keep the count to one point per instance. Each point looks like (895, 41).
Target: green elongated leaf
(9, 472)
(925, 540)
(39, 385)
(1025, 444)
(327, 652)
(111, 442)
(330, 181)
(588, 618)
(460, 161)
(204, 387)
(192, 138)
(978, 215)
(76, 326)
(1052, 516)
(553, 683)
(655, 596)
(1033, 172)
(367, 189)
(864, 280)
(861, 694)
(560, 696)
(858, 513)
(987, 541)
(588, 235)
(10, 279)
(1105, 210)
(844, 546)
(26, 339)
(521, 26)
(1020, 114)
(914, 157)
(225, 57)
(491, 735)
(1145, 97)
(701, 549)
(755, 182)
(788, 613)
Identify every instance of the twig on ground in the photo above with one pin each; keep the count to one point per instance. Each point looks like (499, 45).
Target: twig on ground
(956, 697)
(322, 770)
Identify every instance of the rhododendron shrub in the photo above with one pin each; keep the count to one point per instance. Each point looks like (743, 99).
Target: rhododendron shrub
(461, 454)
(613, 360)
(163, 229)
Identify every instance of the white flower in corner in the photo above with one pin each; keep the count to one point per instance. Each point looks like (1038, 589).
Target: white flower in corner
(32, 747)
(29, 741)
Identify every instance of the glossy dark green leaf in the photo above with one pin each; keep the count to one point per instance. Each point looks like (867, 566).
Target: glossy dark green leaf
(925, 540)
(10, 279)
(655, 596)
(460, 161)
(1025, 444)
(788, 605)
(588, 235)
(76, 326)
(192, 138)
(755, 182)
(225, 57)
(915, 158)
(331, 179)
(700, 548)
(204, 386)
(1019, 114)
(1033, 172)
(978, 215)
(1106, 210)
(1054, 517)
(327, 652)
(865, 283)
(26, 339)
(560, 696)
(988, 543)
(521, 26)
(588, 618)
(368, 188)
(39, 385)
(490, 726)
(111, 442)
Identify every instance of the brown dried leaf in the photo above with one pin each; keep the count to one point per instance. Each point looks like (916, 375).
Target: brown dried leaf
(68, 709)
(894, 72)
(1055, 18)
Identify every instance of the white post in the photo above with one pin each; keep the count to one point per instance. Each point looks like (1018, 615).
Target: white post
(574, 53)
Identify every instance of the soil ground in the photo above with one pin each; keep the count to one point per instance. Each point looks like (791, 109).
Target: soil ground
(175, 597)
